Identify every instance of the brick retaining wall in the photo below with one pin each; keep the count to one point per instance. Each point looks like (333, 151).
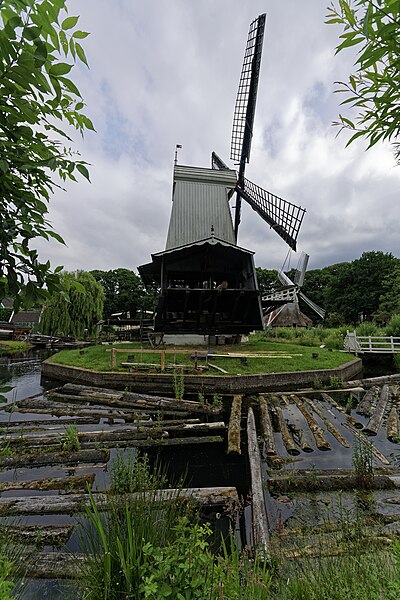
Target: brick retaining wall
(162, 384)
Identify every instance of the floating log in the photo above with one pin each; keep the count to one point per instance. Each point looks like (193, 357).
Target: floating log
(132, 398)
(289, 443)
(266, 426)
(298, 430)
(317, 482)
(234, 425)
(393, 425)
(40, 535)
(42, 459)
(363, 439)
(370, 381)
(110, 434)
(327, 422)
(365, 406)
(70, 483)
(127, 415)
(150, 442)
(42, 423)
(260, 522)
(316, 430)
(69, 504)
(328, 398)
(375, 421)
(53, 565)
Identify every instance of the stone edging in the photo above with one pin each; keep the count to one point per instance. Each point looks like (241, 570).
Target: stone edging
(162, 384)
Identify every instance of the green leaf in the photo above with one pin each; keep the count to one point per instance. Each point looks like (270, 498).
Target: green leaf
(80, 35)
(59, 69)
(83, 171)
(71, 87)
(64, 41)
(31, 33)
(69, 22)
(81, 53)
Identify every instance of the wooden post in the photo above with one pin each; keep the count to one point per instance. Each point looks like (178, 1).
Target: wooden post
(113, 358)
(163, 360)
(260, 523)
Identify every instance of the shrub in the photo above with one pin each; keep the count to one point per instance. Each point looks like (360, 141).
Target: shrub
(393, 327)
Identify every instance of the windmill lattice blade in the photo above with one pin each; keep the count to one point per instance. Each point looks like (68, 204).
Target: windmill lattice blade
(284, 279)
(281, 215)
(317, 309)
(245, 106)
(301, 269)
(217, 162)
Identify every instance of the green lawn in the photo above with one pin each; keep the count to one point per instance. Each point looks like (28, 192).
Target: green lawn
(278, 357)
(9, 347)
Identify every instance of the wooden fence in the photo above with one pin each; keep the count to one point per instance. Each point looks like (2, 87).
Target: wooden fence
(379, 344)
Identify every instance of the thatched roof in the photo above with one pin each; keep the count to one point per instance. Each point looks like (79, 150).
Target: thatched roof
(288, 315)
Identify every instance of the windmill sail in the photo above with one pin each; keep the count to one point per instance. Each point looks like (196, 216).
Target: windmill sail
(217, 162)
(283, 216)
(320, 311)
(243, 118)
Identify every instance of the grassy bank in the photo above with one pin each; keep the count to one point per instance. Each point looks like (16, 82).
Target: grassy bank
(259, 356)
(11, 347)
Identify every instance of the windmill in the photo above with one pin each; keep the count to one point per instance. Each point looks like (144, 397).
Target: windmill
(282, 216)
(283, 305)
(207, 282)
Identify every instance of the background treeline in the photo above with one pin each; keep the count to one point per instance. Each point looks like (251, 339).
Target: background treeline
(364, 289)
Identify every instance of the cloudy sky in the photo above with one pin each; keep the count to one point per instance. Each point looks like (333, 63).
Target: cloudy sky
(166, 72)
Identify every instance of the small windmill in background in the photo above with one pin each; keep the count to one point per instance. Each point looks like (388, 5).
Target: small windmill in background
(282, 306)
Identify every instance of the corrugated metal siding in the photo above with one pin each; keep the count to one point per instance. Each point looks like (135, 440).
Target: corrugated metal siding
(200, 202)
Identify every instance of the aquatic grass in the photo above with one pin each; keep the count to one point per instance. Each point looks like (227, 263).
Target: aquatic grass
(70, 439)
(355, 575)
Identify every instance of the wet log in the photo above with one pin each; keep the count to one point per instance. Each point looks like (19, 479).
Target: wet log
(314, 482)
(39, 535)
(393, 434)
(303, 438)
(71, 484)
(288, 441)
(53, 565)
(70, 504)
(327, 422)
(127, 415)
(37, 424)
(234, 425)
(370, 381)
(328, 398)
(316, 430)
(129, 399)
(150, 442)
(103, 435)
(260, 522)
(184, 427)
(266, 426)
(365, 407)
(42, 459)
(375, 421)
(364, 439)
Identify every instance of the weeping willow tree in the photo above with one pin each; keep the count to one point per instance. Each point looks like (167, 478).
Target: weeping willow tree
(76, 308)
